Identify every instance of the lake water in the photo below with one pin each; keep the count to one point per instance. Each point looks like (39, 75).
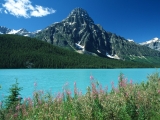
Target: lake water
(54, 79)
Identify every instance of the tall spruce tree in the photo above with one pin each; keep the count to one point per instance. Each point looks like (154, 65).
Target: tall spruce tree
(14, 98)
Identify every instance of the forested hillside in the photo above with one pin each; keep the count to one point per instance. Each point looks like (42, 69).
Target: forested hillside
(24, 52)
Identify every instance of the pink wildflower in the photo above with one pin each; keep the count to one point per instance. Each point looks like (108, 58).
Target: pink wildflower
(29, 99)
(75, 88)
(158, 91)
(123, 83)
(112, 83)
(68, 92)
(15, 115)
(91, 77)
(131, 82)
(18, 107)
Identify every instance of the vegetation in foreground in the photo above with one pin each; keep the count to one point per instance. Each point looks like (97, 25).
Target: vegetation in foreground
(126, 102)
(24, 52)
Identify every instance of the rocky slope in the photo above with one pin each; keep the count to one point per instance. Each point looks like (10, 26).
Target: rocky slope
(79, 32)
(153, 44)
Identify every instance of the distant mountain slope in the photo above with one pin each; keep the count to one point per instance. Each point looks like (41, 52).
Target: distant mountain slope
(153, 44)
(79, 32)
(25, 52)
(23, 32)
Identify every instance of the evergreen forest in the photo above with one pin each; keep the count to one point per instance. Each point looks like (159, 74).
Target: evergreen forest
(25, 52)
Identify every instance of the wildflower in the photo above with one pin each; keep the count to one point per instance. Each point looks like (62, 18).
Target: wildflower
(91, 77)
(29, 99)
(26, 113)
(122, 83)
(116, 90)
(68, 92)
(112, 83)
(158, 91)
(15, 115)
(75, 88)
(80, 93)
(131, 82)
(18, 107)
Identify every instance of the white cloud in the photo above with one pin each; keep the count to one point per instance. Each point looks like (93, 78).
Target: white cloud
(24, 8)
(40, 11)
(6, 11)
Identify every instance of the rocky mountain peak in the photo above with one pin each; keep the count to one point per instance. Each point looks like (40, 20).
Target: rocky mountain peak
(79, 15)
(4, 30)
(79, 33)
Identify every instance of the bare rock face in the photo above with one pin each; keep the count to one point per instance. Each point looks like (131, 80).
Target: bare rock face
(79, 32)
(4, 30)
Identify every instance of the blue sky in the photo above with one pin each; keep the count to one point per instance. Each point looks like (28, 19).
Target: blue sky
(132, 19)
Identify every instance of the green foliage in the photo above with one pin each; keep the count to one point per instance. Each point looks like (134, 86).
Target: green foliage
(24, 52)
(126, 102)
(14, 98)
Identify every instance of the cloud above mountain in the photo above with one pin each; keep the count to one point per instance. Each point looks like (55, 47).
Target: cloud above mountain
(24, 8)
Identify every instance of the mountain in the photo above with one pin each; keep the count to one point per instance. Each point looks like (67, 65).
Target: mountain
(4, 30)
(23, 32)
(25, 52)
(79, 33)
(153, 43)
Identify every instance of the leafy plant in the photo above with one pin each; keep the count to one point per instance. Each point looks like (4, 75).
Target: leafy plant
(126, 102)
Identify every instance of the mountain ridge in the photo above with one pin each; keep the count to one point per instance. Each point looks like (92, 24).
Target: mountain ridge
(79, 32)
(153, 43)
(22, 31)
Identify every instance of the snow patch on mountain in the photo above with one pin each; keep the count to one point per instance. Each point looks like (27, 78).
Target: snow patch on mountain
(37, 31)
(13, 31)
(79, 46)
(111, 56)
(151, 41)
(23, 32)
(130, 40)
(98, 51)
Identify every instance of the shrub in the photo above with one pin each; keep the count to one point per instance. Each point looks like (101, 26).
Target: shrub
(126, 102)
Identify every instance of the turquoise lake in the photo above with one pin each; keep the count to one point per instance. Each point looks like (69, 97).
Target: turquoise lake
(53, 80)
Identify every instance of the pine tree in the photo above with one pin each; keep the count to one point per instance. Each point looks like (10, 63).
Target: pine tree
(14, 98)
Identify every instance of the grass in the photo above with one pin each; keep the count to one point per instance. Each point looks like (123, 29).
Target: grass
(128, 101)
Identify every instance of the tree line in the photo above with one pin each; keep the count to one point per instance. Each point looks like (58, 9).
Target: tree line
(25, 52)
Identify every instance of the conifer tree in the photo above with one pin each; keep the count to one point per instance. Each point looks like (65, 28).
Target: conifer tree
(14, 98)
